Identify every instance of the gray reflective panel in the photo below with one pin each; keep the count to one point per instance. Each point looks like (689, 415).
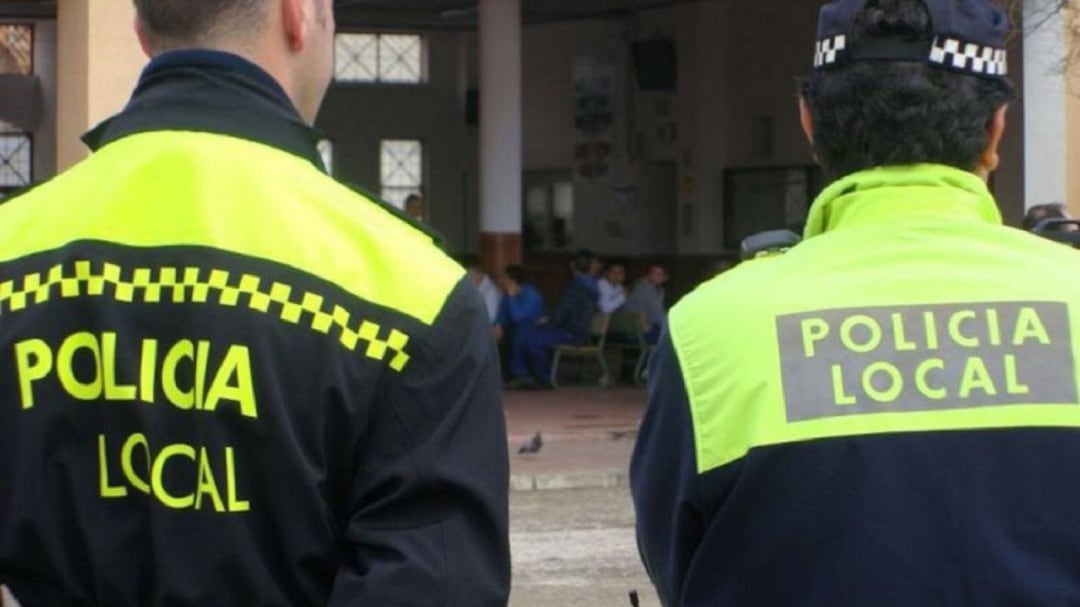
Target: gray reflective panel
(918, 358)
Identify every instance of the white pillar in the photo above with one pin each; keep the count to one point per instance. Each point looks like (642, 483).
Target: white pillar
(500, 128)
(1044, 101)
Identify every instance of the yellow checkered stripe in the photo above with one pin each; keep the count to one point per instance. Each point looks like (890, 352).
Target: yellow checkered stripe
(202, 286)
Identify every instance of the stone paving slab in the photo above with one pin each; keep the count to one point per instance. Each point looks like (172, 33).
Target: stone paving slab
(575, 414)
(588, 436)
(580, 464)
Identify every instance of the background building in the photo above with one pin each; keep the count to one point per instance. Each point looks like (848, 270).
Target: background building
(642, 128)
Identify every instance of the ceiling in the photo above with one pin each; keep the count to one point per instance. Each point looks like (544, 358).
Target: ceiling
(28, 8)
(424, 14)
(461, 14)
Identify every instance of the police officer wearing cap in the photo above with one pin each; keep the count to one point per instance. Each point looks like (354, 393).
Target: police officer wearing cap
(887, 414)
(227, 379)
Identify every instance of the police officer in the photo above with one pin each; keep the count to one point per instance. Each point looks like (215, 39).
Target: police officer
(887, 414)
(226, 379)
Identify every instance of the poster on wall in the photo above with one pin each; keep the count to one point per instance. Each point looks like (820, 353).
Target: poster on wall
(592, 160)
(594, 117)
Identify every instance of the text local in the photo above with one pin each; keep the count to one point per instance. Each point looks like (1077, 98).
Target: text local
(884, 382)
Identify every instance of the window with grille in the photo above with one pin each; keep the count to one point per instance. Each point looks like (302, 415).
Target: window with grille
(401, 163)
(387, 58)
(16, 48)
(548, 214)
(16, 158)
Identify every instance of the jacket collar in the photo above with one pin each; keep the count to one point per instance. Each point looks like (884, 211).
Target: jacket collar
(890, 195)
(213, 92)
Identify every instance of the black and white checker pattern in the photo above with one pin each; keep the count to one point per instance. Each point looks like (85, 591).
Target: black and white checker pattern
(969, 57)
(829, 51)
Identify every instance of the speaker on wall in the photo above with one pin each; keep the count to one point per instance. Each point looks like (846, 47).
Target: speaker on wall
(655, 64)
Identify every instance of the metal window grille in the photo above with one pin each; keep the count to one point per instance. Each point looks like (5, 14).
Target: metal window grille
(400, 59)
(16, 48)
(391, 58)
(402, 169)
(356, 58)
(16, 157)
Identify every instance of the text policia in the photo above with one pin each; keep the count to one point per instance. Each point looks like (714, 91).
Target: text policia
(841, 362)
(189, 375)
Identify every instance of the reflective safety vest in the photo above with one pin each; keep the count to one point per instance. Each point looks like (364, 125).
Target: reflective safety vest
(885, 415)
(227, 379)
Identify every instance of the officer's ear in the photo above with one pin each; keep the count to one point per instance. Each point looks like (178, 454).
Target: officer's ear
(995, 130)
(294, 20)
(806, 119)
(144, 39)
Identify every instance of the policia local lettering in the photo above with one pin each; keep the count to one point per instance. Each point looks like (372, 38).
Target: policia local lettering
(921, 358)
(863, 334)
(136, 464)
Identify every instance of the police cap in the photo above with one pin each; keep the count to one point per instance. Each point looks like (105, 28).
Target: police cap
(968, 36)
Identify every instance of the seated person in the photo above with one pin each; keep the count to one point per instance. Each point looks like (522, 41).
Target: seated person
(647, 298)
(521, 303)
(569, 324)
(488, 291)
(414, 207)
(1055, 210)
(612, 287)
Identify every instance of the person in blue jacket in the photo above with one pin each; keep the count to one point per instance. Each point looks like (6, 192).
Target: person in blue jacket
(521, 304)
(568, 323)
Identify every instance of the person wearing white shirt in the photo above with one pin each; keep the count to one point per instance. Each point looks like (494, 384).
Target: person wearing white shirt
(612, 289)
(488, 291)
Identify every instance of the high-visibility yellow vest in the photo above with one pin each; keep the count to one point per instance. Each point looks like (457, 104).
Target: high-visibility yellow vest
(907, 308)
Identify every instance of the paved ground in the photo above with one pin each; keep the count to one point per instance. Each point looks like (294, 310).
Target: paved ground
(573, 414)
(571, 519)
(588, 436)
(575, 549)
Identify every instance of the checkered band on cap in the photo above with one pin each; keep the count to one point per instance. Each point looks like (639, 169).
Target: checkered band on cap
(946, 51)
(830, 50)
(977, 59)
(965, 36)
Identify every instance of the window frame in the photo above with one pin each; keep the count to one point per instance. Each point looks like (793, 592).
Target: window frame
(29, 137)
(420, 188)
(33, 42)
(378, 81)
(540, 232)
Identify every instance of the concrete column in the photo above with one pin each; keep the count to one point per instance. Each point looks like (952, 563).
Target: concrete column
(98, 64)
(1044, 101)
(500, 133)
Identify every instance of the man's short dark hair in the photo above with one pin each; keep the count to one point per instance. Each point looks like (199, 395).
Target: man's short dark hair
(517, 274)
(171, 23)
(884, 113)
(470, 261)
(615, 262)
(1036, 214)
(583, 260)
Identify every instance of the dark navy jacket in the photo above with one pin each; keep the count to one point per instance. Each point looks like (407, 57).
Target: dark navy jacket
(576, 307)
(227, 379)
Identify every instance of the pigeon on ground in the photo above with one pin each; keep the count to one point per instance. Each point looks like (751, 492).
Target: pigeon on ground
(634, 599)
(533, 446)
